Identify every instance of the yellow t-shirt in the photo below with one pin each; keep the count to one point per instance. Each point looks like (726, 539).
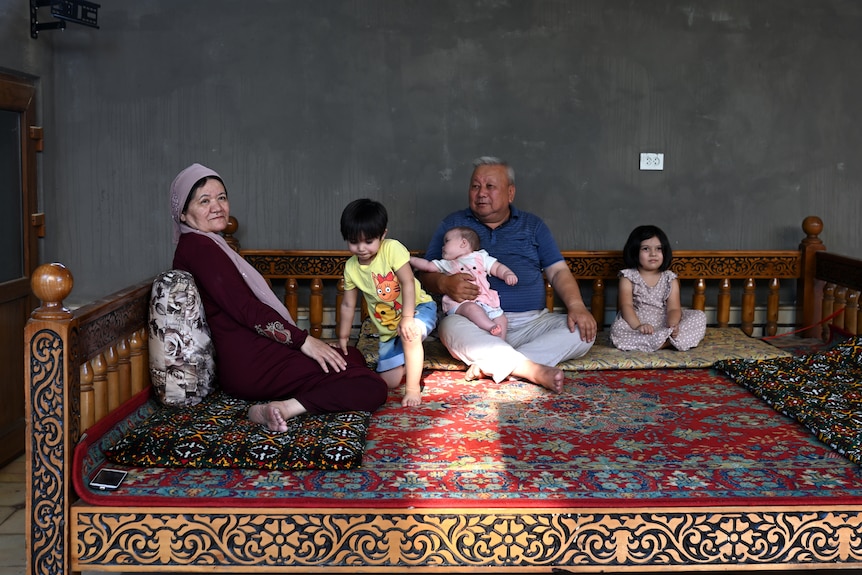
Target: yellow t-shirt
(380, 286)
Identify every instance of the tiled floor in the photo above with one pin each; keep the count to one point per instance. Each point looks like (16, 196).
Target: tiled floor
(12, 525)
(12, 518)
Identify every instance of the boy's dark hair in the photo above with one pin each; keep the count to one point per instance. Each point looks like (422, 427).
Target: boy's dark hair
(470, 235)
(633, 246)
(363, 219)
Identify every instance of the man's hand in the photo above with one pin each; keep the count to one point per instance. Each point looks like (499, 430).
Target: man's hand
(581, 318)
(460, 287)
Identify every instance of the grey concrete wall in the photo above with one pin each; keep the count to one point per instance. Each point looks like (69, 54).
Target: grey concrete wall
(307, 104)
(21, 55)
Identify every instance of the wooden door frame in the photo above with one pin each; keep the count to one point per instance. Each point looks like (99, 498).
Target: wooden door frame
(18, 94)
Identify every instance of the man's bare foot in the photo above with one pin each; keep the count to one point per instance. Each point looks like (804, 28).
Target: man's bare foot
(274, 415)
(473, 373)
(548, 377)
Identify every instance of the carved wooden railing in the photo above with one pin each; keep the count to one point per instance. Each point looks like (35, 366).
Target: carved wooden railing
(79, 366)
(842, 282)
(746, 271)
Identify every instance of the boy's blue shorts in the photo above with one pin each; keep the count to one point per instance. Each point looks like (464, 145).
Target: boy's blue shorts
(391, 353)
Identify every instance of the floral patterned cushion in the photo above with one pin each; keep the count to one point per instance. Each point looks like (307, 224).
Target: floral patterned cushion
(182, 356)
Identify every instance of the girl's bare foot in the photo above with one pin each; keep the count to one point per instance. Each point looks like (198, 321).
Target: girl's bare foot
(274, 415)
(501, 323)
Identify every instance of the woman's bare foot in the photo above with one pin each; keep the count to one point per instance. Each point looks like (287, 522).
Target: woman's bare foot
(548, 377)
(274, 415)
(473, 373)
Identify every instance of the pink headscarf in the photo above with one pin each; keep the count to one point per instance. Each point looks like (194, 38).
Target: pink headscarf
(180, 189)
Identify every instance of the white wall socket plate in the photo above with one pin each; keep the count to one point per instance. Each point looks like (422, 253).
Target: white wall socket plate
(651, 161)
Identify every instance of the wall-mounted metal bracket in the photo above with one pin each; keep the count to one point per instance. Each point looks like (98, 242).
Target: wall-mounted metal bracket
(77, 11)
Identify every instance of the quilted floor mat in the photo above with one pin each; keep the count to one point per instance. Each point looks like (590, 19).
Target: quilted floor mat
(720, 343)
(216, 433)
(823, 391)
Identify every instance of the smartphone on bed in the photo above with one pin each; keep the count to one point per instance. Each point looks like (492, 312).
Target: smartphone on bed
(108, 479)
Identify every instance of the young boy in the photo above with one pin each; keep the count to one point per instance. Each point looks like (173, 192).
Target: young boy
(400, 309)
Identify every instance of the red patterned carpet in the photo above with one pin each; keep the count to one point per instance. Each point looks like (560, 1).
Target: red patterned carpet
(640, 437)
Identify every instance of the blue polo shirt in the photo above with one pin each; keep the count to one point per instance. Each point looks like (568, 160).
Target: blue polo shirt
(523, 243)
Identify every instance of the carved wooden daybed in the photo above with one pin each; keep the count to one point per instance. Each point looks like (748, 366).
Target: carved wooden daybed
(82, 364)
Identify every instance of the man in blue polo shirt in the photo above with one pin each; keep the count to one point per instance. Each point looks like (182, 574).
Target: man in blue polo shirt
(537, 339)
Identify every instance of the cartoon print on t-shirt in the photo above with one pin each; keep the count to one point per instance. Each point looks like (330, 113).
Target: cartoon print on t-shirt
(388, 291)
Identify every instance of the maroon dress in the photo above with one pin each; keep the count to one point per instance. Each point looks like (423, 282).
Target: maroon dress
(254, 362)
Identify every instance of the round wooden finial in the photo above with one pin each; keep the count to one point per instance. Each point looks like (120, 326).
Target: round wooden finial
(52, 283)
(232, 225)
(229, 231)
(812, 226)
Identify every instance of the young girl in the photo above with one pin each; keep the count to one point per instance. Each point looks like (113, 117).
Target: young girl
(650, 316)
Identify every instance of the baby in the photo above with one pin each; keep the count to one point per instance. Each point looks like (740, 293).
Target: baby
(461, 254)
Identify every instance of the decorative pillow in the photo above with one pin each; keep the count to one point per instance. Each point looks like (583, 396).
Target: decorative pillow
(182, 355)
(218, 433)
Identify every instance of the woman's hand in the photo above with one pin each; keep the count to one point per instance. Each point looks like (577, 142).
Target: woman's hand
(327, 356)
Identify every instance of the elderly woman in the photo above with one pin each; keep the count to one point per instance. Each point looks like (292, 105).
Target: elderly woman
(261, 355)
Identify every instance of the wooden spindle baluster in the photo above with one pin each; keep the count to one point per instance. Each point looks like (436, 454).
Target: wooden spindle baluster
(826, 307)
(748, 306)
(549, 296)
(124, 369)
(597, 303)
(807, 286)
(291, 297)
(88, 409)
(722, 309)
(100, 386)
(315, 307)
(840, 302)
(145, 355)
(698, 298)
(851, 313)
(772, 303)
(140, 369)
(112, 379)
